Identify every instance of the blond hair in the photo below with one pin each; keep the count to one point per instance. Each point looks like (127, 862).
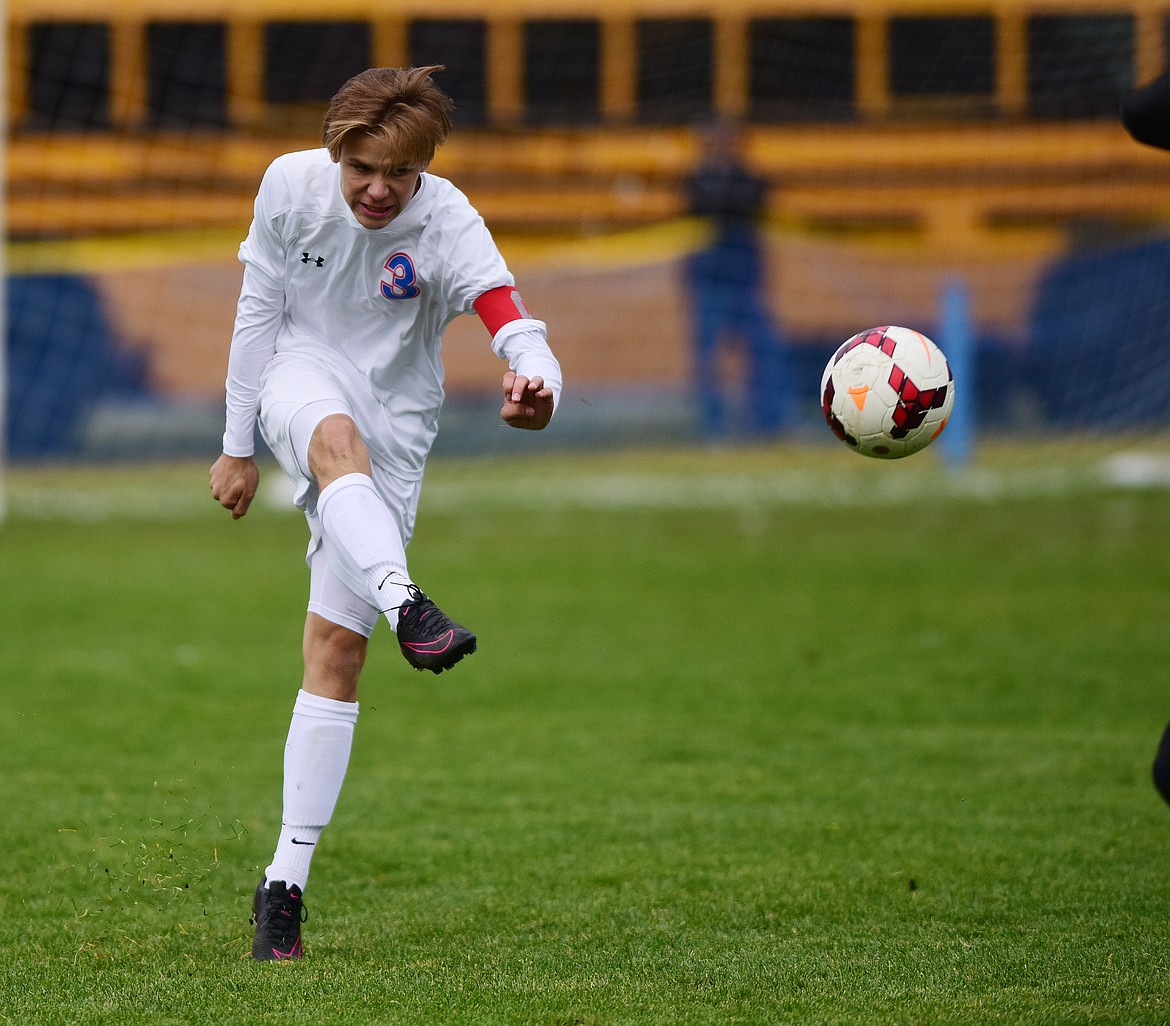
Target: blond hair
(401, 106)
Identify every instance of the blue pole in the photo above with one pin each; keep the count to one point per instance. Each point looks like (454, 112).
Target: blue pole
(957, 342)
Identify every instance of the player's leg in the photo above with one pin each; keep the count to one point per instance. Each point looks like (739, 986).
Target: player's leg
(319, 741)
(316, 754)
(308, 422)
(319, 442)
(362, 527)
(366, 518)
(369, 551)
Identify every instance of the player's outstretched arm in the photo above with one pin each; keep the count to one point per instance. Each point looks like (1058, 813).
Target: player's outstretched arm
(528, 402)
(234, 480)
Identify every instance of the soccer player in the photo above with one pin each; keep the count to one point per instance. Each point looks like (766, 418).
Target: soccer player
(356, 261)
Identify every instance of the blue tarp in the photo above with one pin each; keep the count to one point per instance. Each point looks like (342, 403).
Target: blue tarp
(62, 360)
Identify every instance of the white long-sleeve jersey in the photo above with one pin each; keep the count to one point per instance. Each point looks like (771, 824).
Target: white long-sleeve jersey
(369, 305)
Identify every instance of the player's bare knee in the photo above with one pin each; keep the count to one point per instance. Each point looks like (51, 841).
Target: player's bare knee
(337, 449)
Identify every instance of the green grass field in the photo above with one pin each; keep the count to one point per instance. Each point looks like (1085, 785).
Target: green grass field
(752, 737)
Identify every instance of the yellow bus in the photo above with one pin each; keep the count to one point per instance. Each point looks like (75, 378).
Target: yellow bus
(860, 108)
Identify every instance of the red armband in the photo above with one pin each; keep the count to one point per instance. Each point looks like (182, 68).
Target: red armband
(497, 307)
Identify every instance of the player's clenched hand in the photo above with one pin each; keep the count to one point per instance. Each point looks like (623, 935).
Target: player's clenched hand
(528, 402)
(234, 480)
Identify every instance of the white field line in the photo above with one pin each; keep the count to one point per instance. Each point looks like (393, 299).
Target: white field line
(96, 500)
(635, 491)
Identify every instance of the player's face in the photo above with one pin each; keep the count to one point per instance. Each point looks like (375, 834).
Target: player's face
(373, 183)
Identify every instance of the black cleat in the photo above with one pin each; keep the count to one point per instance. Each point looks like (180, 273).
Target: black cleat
(428, 637)
(278, 912)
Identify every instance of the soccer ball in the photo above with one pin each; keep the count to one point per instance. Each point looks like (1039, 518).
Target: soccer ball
(887, 392)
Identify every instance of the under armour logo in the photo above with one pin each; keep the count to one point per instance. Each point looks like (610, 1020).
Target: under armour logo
(319, 261)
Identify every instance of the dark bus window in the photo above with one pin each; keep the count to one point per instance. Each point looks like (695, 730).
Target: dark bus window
(562, 71)
(308, 61)
(461, 46)
(187, 74)
(801, 69)
(69, 80)
(1079, 65)
(675, 63)
(942, 56)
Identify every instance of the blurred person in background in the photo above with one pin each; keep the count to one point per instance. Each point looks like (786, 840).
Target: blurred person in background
(724, 281)
(1145, 113)
(356, 261)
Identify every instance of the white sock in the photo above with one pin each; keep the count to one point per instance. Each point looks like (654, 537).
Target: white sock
(371, 556)
(316, 754)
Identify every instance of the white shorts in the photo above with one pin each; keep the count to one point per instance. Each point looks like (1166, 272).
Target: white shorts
(297, 395)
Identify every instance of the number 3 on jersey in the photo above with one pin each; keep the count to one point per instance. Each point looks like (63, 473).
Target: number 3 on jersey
(400, 284)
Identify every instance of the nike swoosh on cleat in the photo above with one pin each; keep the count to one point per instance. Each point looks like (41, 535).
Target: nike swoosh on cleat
(436, 646)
